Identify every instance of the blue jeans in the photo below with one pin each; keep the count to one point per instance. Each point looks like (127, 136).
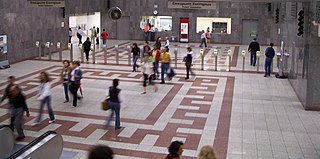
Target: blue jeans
(155, 67)
(66, 89)
(104, 42)
(253, 58)
(115, 107)
(267, 66)
(164, 70)
(46, 100)
(135, 59)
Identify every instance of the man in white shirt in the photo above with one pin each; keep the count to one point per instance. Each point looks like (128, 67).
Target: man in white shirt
(203, 39)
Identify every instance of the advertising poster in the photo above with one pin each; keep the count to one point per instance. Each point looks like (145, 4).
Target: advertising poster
(3, 44)
(184, 29)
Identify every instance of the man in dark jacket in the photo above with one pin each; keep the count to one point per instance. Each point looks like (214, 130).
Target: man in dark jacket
(269, 57)
(86, 48)
(253, 48)
(19, 105)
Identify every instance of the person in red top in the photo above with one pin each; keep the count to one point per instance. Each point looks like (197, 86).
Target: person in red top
(175, 150)
(155, 53)
(104, 36)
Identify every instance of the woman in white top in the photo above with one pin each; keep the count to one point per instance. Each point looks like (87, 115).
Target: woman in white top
(148, 72)
(44, 97)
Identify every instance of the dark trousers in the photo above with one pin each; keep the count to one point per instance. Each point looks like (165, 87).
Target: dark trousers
(203, 41)
(80, 40)
(46, 100)
(155, 68)
(188, 69)
(146, 36)
(66, 89)
(147, 78)
(267, 66)
(70, 39)
(135, 59)
(153, 36)
(97, 40)
(74, 87)
(253, 58)
(87, 55)
(115, 108)
(17, 120)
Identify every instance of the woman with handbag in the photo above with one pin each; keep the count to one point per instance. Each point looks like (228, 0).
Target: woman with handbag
(114, 103)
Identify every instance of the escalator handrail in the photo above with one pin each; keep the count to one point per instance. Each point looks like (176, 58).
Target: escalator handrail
(31, 144)
(4, 126)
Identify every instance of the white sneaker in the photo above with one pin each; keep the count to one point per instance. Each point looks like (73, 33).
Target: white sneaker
(52, 121)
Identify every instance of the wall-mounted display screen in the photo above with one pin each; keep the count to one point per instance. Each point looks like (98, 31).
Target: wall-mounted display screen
(215, 25)
(160, 23)
(3, 44)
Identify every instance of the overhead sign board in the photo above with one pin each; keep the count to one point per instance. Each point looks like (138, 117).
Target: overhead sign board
(192, 5)
(46, 3)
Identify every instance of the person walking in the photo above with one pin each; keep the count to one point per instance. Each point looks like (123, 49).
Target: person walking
(155, 53)
(6, 94)
(104, 37)
(165, 63)
(86, 48)
(158, 42)
(203, 39)
(93, 34)
(167, 43)
(146, 49)
(253, 48)
(153, 33)
(148, 72)
(136, 54)
(44, 96)
(65, 75)
(208, 36)
(175, 150)
(188, 62)
(79, 35)
(146, 32)
(270, 53)
(97, 37)
(18, 102)
(75, 80)
(114, 103)
(70, 35)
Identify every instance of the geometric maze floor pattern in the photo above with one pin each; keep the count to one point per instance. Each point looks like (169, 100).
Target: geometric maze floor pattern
(182, 110)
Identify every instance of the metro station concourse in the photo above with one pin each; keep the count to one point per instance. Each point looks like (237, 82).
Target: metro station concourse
(227, 102)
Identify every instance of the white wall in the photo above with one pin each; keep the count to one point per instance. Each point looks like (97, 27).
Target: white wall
(204, 22)
(86, 22)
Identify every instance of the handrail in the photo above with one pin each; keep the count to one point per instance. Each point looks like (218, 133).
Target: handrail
(4, 126)
(31, 144)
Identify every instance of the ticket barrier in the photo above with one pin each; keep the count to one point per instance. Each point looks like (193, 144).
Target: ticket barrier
(6, 141)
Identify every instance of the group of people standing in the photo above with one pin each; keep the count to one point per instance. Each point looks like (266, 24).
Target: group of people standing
(205, 38)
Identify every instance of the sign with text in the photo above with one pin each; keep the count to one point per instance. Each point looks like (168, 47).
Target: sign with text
(192, 5)
(46, 3)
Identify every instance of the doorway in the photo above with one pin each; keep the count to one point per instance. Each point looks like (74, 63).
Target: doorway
(249, 31)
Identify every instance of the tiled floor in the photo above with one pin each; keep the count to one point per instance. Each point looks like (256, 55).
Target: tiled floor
(242, 114)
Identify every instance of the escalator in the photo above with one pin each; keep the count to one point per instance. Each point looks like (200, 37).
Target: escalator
(48, 146)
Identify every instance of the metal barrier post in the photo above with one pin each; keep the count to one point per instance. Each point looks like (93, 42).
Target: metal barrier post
(117, 54)
(49, 51)
(243, 59)
(105, 54)
(93, 49)
(258, 60)
(229, 55)
(81, 53)
(202, 59)
(176, 57)
(39, 49)
(71, 51)
(215, 52)
(129, 54)
(60, 51)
